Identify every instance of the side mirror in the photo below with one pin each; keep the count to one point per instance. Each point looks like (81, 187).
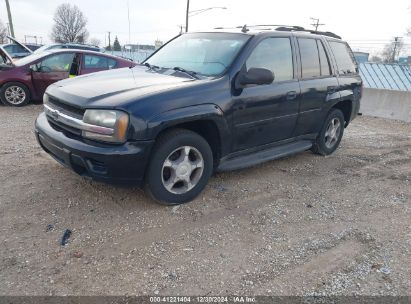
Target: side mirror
(257, 76)
(34, 68)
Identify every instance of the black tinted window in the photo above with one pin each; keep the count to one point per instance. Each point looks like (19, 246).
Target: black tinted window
(325, 66)
(274, 54)
(98, 62)
(310, 62)
(344, 58)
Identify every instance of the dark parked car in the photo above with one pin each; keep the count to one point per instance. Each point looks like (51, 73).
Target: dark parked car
(205, 102)
(18, 51)
(27, 78)
(58, 46)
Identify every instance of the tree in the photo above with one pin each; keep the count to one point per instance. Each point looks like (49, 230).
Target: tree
(392, 50)
(376, 59)
(95, 41)
(69, 25)
(116, 45)
(3, 33)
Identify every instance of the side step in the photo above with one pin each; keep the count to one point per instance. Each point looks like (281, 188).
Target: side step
(245, 161)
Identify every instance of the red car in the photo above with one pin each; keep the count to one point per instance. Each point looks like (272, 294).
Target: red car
(26, 79)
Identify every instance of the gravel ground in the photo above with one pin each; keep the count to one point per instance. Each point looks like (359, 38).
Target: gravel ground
(303, 225)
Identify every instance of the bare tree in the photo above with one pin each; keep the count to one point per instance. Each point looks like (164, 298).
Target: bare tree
(376, 59)
(95, 41)
(3, 33)
(392, 50)
(69, 25)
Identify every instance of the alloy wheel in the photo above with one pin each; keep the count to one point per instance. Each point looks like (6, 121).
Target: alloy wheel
(332, 133)
(15, 95)
(182, 170)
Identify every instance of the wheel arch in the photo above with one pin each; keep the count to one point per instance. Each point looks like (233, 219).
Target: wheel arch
(346, 108)
(206, 120)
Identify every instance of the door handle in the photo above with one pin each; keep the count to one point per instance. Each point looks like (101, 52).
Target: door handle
(291, 95)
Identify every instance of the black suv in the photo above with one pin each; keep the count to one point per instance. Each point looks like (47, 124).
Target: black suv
(203, 103)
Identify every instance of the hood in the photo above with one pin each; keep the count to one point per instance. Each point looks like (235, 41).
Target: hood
(20, 44)
(114, 87)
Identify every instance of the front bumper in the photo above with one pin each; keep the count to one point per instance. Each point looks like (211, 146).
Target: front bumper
(102, 162)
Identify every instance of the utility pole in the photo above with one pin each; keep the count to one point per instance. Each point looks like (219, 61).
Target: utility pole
(109, 41)
(394, 51)
(10, 19)
(187, 12)
(316, 23)
(128, 15)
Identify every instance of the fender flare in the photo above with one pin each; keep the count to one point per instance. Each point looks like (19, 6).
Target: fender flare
(169, 119)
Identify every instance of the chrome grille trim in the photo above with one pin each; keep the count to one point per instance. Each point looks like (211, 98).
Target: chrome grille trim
(58, 116)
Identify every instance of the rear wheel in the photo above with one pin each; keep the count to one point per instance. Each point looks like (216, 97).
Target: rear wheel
(180, 167)
(14, 94)
(331, 133)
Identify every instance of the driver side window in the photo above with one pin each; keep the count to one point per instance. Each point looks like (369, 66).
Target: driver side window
(56, 63)
(274, 54)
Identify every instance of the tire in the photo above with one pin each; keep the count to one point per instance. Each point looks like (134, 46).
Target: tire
(14, 94)
(180, 167)
(330, 136)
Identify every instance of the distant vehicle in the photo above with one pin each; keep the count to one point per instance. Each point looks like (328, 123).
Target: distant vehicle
(77, 46)
(26, 79)
(17, 51)
(202, 103)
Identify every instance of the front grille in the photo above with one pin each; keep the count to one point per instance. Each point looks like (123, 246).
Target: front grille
(58, 126)
(65, 108)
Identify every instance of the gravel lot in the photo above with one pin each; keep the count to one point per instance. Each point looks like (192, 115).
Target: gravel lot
(303, 225)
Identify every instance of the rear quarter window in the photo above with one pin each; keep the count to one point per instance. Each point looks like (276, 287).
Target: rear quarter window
(344, 58)
(99, 62)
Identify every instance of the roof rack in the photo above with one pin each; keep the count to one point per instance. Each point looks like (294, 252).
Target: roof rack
(301, 29)
(280, 27)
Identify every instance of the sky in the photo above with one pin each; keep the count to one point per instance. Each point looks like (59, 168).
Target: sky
(367, 25)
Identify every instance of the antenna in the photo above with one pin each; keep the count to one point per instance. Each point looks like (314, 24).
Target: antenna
(316, 23)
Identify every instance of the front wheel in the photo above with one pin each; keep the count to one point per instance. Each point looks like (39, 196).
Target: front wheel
(331, 133)
(180, 167)
(14, 94)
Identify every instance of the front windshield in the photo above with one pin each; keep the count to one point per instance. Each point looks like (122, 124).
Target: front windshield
(207, 54)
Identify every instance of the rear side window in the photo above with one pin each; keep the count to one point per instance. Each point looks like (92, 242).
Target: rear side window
(274, 54)
(310, 61)
(98, 62)
(324, 62)
(343, 57)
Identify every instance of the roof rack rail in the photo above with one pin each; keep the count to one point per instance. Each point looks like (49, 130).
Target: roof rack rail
(279, 27)
(301, 29)
(268, 27)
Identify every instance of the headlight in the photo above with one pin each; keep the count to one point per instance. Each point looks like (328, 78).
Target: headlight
(106, 125)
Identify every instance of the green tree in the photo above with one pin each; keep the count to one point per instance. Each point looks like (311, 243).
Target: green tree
(116, 45)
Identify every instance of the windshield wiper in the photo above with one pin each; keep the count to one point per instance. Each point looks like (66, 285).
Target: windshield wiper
(151, 67)
(189, 73)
